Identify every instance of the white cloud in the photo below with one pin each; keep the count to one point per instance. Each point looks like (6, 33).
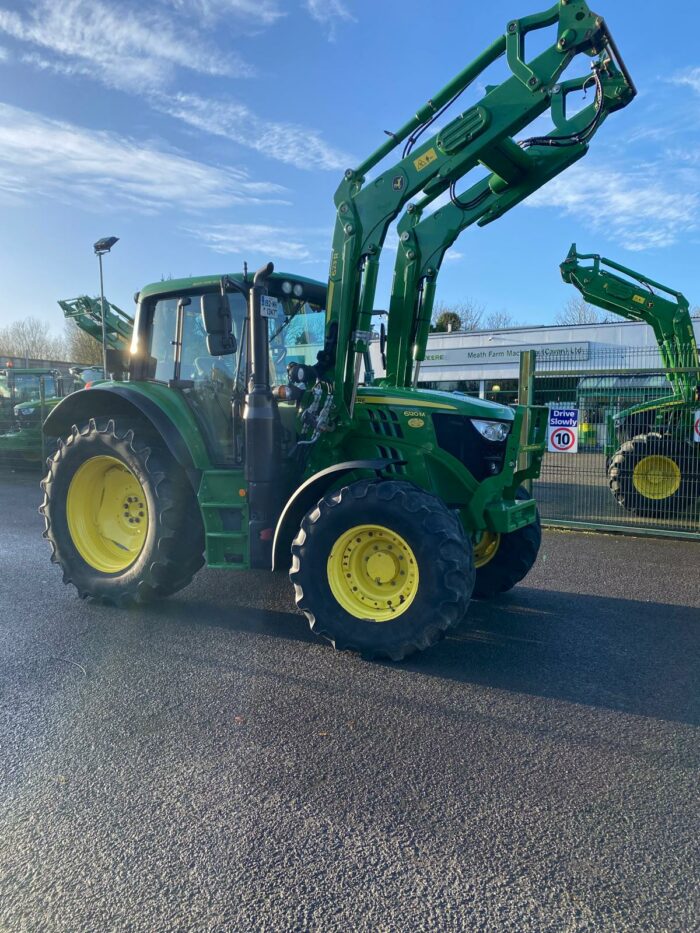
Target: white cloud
(114, 45)
(4, 54)
(329, 13)
(48, 158)
(286, 142)
(641, 205)
(261, 12)
(689, 77)
(249, 239)
(108, 43)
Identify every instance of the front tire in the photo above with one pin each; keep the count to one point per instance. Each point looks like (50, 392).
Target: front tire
(503, 560)
(383, 568)
(121, 516)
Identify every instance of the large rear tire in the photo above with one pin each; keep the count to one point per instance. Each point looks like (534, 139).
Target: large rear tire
(121, 515)
(655, 476)
(503, 560)
(383, 568)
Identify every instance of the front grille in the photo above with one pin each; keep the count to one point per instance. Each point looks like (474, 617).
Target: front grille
(385, 422)
(458, 436)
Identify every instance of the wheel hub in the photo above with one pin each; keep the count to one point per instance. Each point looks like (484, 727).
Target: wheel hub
(373, 573)
(656, 477)
(107, 514)
(486, 548)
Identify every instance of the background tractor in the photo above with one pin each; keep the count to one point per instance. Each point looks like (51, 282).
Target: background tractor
(28, 405)
(238, 430)
(653, 463)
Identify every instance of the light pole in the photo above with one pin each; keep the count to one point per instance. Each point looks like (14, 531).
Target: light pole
(101, 247)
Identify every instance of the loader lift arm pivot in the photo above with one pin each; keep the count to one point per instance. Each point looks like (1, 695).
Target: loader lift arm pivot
(481, 134)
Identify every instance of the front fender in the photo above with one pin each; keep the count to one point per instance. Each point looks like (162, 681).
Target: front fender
(164, 409)
(308, 494)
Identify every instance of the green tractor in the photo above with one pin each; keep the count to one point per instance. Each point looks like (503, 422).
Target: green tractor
(25, 395)
(652, 460)
(21, 386)
(242, 433)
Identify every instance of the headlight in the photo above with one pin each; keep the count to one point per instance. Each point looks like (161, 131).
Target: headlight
(287, 288)
(298, 290)
(21, 412)
(492, 430)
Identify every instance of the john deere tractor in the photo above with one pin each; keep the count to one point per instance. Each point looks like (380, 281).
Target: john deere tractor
(241, 432)
(653, 462)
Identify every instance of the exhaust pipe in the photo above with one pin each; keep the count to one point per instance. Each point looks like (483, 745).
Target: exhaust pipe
(263, 452)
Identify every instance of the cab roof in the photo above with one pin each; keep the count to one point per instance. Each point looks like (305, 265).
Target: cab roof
(209, 281)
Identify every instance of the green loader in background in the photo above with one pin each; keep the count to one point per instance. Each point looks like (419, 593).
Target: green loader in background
(653, 460)
(240, 433)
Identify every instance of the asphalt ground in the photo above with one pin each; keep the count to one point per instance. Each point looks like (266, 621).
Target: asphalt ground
(208, 764)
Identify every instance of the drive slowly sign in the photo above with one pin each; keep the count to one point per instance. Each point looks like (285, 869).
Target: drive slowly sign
(562, 437)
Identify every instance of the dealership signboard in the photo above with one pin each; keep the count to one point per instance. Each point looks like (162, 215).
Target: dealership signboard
(547, 354)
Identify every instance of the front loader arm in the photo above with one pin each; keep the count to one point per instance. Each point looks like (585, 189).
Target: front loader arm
(424, 242)
(86, 313)
(668, 314)
(482, 133)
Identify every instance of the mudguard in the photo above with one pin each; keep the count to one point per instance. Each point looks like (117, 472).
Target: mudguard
(169, 417)
(310, 491)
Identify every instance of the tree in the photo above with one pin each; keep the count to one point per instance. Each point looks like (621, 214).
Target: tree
(447, 322)
(695, 313)
(578, 311)
(82, 348)
(499, 320)
(29, 339)
(462, 317)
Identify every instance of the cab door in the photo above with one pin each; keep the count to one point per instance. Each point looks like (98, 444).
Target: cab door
(209, 383)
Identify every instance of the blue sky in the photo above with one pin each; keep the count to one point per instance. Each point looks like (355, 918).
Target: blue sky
(206, 132)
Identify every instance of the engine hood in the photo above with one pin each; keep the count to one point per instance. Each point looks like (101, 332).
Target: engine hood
(432, 400)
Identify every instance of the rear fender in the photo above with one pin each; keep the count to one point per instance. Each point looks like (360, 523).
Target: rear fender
(168, 416)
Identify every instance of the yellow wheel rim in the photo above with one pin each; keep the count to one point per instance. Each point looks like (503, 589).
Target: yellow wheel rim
(656, 477)
(486, 548)
(107, 514)
(373, 573)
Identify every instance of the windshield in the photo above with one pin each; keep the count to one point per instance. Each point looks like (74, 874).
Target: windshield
(26, 387)
(296, 335)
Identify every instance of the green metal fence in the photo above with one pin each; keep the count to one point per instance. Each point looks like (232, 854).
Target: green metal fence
(632, 462)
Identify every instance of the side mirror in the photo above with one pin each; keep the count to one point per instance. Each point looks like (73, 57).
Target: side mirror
(216, 317)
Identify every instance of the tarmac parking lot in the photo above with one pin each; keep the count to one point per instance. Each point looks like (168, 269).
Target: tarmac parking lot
(208, 764)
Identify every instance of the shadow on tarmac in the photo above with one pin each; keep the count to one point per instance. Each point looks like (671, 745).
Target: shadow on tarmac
(638, 657)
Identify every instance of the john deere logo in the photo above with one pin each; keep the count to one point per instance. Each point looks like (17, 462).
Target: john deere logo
(398, 183)
(415, 422)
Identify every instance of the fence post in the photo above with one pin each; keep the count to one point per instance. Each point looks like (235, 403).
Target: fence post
(526, 395)
(42, 401)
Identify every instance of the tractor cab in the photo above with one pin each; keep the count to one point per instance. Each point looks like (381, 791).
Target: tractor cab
(18, 386)
(173, 345)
